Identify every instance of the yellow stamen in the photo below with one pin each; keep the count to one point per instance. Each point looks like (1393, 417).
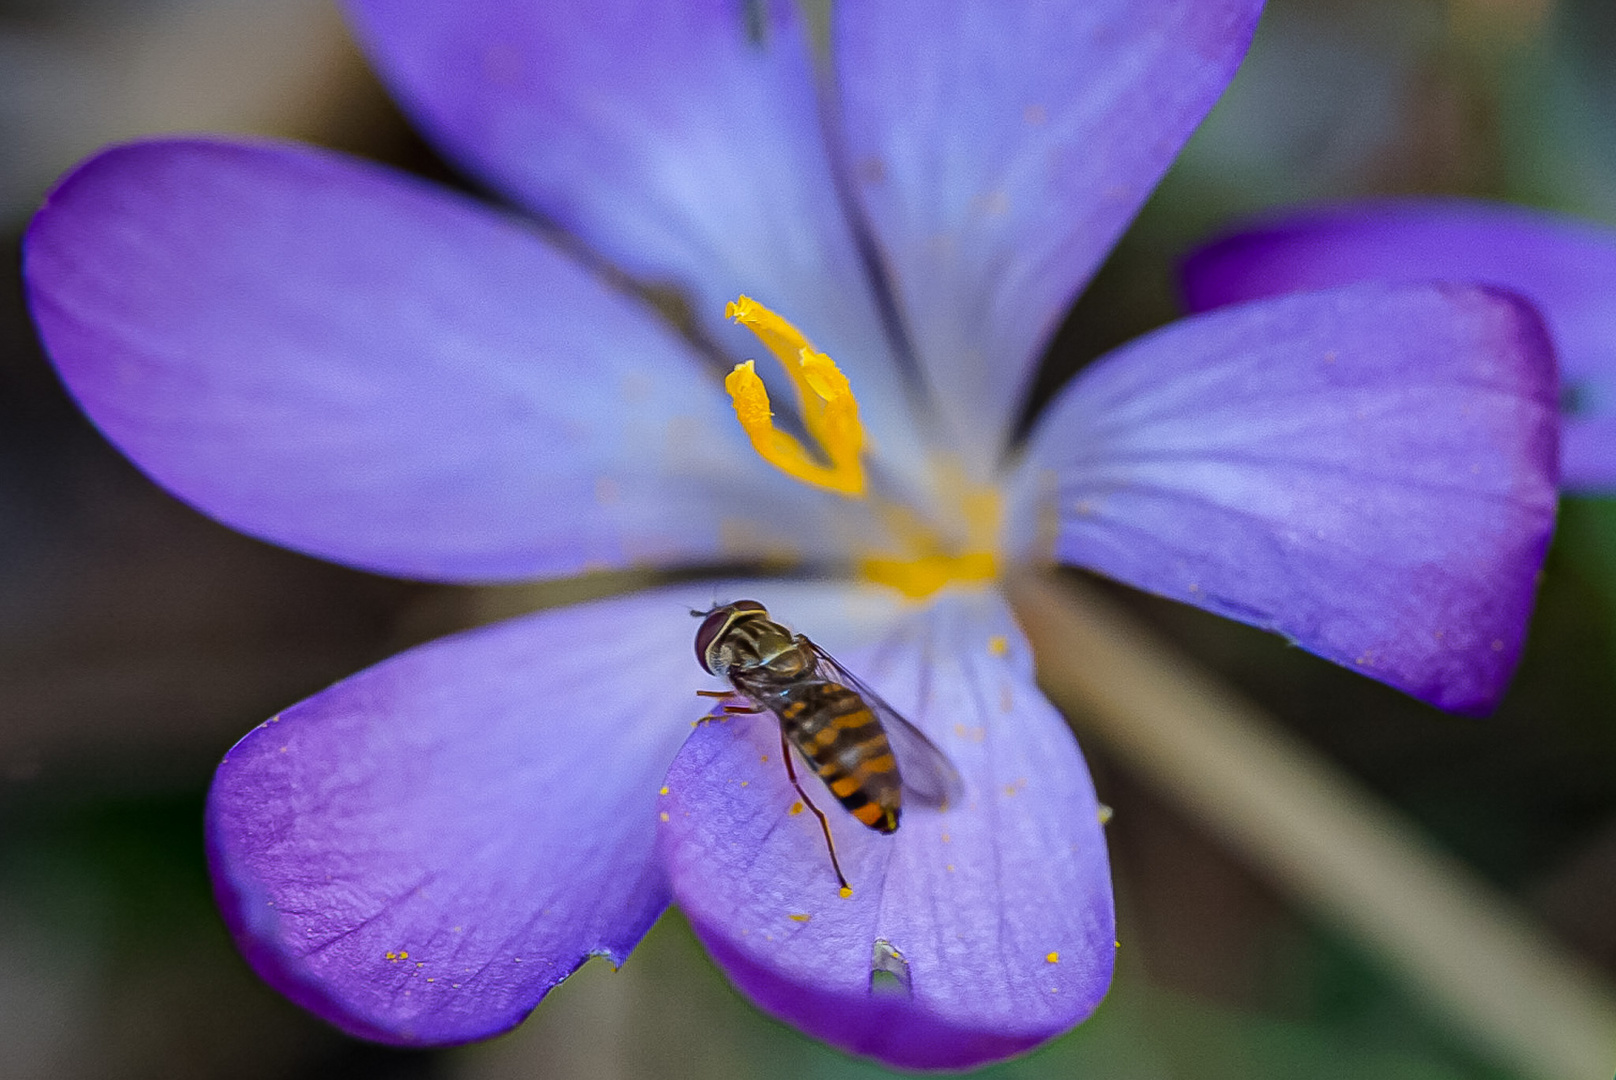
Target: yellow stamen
(824, 398)
(919, 577)
(925, 563)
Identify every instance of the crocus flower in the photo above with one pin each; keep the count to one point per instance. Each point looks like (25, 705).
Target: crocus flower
(360, 366)
(1565, 266)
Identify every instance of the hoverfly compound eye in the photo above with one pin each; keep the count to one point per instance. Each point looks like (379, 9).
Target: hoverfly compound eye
(707, 634)
(716, 623)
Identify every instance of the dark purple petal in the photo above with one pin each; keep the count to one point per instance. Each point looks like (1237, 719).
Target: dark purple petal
(1368, 471)
(353, 364)
(680, 140)
(999, 150)
(420, 852)
(1564, 266)
(999, 906)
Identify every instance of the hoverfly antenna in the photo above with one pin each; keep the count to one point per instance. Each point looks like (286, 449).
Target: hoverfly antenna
(694, 614)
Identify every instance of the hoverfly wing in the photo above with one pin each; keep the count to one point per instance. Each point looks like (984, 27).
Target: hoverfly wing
(927, 773)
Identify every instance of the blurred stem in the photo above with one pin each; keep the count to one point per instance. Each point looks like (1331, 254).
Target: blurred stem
(1459, 945)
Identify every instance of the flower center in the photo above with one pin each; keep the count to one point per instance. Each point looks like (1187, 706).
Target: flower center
(926, 561)
(927, 558)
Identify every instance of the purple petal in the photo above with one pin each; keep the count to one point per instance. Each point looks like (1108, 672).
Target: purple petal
(1567, 268)
(680, 140)
(353, 364)
(1588, 453)
(1369, 471)
(999, 149)
(422, 851)
(999, 906)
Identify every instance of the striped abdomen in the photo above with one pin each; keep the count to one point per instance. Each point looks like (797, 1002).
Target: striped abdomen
(835, 729)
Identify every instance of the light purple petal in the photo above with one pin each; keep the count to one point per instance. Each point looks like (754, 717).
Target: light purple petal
(353, 364)
(1000, 906)
(999, 150)
(1368, 471)
(680, 140)
(1564, 266)
(420, 852)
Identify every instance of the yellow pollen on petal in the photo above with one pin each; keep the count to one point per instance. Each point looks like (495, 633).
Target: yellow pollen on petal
(825, 401)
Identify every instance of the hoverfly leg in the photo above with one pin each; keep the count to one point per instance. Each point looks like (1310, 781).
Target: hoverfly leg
(732, 704)
(824, 822)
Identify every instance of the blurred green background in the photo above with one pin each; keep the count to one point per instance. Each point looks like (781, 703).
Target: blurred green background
(138, 640)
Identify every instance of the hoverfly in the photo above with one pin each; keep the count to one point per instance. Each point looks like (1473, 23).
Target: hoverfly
(864, 751)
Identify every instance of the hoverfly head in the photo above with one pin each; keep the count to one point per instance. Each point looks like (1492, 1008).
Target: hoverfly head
(711, 652)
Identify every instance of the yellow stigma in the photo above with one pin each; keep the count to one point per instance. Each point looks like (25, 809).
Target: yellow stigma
(824, 398)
